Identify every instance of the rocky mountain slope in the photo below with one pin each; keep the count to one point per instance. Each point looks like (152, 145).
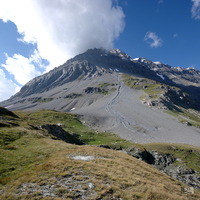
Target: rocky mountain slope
(95, 61)
(113, 92)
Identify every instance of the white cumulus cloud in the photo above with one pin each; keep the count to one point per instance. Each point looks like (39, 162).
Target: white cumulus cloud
(7, 87)
(175, 35)
(153, 40)
(196, 9)
(22, 68)
(62, 29)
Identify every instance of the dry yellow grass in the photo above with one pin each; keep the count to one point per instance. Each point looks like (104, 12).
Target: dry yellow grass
(112, 174)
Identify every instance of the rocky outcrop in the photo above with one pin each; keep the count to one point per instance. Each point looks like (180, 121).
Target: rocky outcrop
(81, 188)
(92, 90)
(59, 133)
(95, 90)
(166, 163)
(4, 111)
(170, 98)
(73, 96)
(7, 118)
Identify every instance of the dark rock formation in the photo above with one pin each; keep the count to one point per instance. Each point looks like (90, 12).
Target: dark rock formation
(94, 90)
(165, 163)
(59, 133)
(73, 96)
(4, 111)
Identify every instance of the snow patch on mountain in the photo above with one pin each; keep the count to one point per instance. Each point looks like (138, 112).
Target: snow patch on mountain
(161, 76)
(180, 69)
(143, 60)
(157, 63)
(190, 68)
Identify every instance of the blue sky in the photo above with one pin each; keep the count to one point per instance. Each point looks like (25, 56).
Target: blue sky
(38, 35)
(172, 21)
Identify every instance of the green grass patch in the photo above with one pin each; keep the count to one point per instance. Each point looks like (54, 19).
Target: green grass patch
(73, 96)
(23, 155)
(104, 84)
(113, 89)
(154, 90)
(51, 117)
(9, 135)
(130, 80)
(71, 124)
(97, 138)
(151, 87)
(45, 100)
(102, 87)
(187, 116)
(104, 92)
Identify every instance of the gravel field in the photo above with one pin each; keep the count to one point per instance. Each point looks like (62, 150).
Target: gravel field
(123, 113)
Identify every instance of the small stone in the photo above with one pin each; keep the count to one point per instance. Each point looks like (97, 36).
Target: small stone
(46, 194)
(91, 185)
(188, 190)
(187, 123)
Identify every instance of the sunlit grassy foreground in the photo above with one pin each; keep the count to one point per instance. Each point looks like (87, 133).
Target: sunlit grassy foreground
(37, 165)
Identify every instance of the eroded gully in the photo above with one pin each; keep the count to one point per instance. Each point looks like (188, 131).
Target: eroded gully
(128, 123)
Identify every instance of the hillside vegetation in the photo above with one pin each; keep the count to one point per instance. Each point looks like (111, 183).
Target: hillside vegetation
(169, 98)
(51, 155)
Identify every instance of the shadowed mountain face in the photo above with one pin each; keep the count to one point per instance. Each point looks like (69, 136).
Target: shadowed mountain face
(113, 92)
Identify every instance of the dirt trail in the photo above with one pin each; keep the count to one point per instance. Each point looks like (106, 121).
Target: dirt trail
(119, 117)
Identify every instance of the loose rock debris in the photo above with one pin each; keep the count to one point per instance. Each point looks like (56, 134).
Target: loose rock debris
(63, 187)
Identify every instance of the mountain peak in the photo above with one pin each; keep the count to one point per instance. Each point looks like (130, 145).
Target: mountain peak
(121, 54)
(98, 61)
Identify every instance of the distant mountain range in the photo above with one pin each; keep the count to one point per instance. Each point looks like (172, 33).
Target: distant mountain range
(113, 92)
